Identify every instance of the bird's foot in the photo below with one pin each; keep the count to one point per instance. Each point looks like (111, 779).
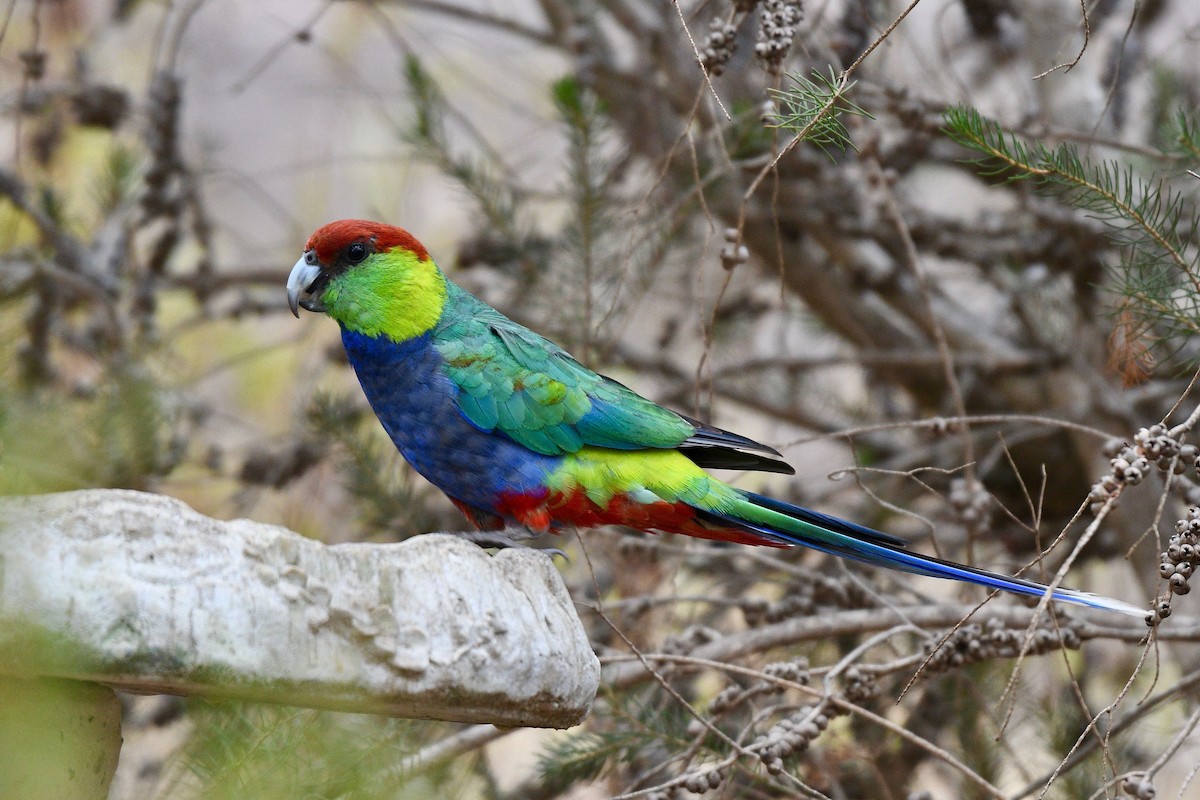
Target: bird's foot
(506, 538)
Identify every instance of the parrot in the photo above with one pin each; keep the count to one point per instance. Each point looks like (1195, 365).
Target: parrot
(518, 433)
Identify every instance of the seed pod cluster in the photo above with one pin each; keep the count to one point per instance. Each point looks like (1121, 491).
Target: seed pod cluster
(805, 599)
(971, 502)
(1177, 563)
(700, 782)
(792, 734)
(794, 671)
(1139, 787)
(689, 639)
(719, 46)
(777, 22)
(1131, 462)
(977, 642)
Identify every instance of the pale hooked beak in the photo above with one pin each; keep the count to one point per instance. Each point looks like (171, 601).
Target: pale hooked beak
(304, 276)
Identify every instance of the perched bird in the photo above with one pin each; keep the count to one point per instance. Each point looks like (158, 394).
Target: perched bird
(518, 433)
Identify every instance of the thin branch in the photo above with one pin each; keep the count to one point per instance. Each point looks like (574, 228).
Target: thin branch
(1087, 33)
(843, 704)
(700, 59)
(835, 97)
(484, 18)
(1181, 687)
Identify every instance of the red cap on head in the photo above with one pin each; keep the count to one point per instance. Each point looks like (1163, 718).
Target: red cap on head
(328, 240)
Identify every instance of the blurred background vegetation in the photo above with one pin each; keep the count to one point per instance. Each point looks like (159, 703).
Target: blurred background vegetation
(947, 267)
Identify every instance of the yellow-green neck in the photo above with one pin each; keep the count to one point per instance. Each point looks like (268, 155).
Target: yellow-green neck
(392, 294)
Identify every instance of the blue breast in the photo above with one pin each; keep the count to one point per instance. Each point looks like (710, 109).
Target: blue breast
(417, 405)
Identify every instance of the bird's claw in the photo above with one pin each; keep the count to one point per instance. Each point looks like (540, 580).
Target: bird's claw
(509, 538)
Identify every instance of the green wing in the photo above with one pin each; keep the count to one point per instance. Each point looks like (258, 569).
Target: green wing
(513, 380)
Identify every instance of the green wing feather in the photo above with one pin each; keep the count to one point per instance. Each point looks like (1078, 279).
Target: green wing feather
(513, 380)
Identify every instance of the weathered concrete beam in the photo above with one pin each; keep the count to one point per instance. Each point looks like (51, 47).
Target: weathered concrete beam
(139, 592)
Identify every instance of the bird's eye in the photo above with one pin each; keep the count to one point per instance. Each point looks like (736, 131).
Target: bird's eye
(356, 252)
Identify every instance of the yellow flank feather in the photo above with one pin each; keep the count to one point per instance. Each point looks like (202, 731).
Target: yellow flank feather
(668, 474)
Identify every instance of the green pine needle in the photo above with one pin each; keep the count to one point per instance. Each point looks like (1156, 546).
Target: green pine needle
(578, 758)
(495, 196)
(814, 109)
(1151, 223)
(1185, 130)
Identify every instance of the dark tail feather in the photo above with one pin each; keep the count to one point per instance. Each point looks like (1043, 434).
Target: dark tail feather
(786, 523)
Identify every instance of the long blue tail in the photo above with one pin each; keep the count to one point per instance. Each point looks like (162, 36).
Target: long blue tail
(785, 523)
